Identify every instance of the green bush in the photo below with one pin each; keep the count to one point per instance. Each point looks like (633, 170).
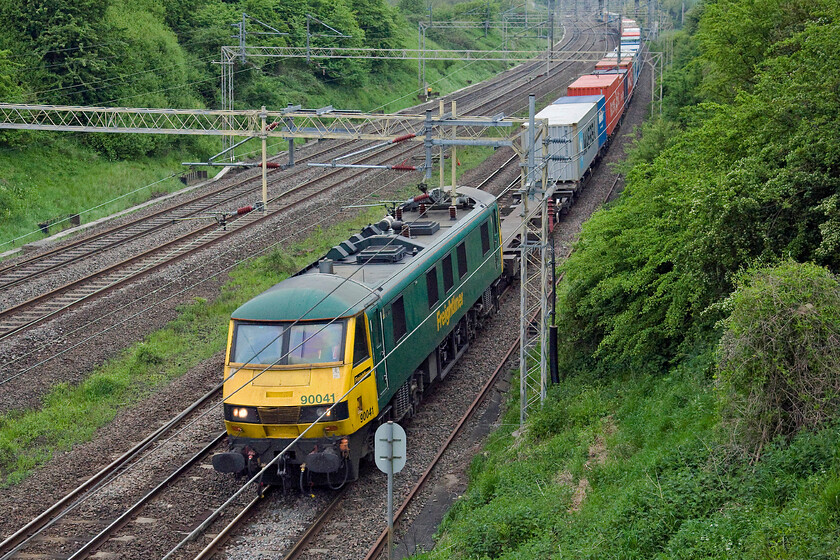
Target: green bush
(779, 357)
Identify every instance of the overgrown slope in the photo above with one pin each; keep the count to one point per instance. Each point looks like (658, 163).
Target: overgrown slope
(665, 440)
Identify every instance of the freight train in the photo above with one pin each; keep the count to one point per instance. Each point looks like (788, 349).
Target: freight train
(316, 363)
(582, 123)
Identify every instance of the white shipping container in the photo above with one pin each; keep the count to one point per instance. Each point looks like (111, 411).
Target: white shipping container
(572, 140)
(626, 50)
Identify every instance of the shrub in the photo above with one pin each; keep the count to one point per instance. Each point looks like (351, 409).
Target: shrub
(779, 357)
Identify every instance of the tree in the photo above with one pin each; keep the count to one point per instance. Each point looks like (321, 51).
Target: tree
(72, 43)
(10, 92)
(755, 179)
(338, 15)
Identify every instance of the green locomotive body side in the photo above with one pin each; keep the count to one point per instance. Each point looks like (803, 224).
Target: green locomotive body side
(427, 324)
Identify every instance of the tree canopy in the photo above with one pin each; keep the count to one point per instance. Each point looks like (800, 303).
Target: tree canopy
(750, 174)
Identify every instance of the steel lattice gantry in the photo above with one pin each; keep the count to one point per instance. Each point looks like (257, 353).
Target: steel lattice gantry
(295, 124)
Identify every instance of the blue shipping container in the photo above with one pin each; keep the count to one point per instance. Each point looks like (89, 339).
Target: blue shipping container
(602, 111)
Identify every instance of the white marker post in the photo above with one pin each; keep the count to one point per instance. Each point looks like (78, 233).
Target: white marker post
(389, 454)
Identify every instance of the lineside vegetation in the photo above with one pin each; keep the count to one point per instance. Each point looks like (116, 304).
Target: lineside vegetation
(700, 317)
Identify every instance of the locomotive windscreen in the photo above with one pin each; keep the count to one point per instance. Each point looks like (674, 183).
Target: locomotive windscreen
(288, 344)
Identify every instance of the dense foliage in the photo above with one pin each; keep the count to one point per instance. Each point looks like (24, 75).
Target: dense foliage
(701, 315)
(750, 174)
(159, 53)
(164, 53)
(779, 357)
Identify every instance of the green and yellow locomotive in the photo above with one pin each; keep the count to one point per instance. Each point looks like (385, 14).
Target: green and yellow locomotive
(364, 331)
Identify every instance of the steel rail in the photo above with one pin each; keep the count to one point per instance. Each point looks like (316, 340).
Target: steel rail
(301, 544)
(126, 516)
(70, 500)
(496, 172)
(221, 538)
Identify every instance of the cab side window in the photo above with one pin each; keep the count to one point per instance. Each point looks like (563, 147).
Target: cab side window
(398, 316)
(485, 238)
(462, 260)
(360, 341)
(432, 287)
(448, 279)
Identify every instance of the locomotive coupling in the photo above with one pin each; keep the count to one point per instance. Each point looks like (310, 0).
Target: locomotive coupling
(325, 461)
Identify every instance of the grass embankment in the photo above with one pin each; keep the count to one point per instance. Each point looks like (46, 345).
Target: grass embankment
(71, 414)
(635, 467)
(51, 180)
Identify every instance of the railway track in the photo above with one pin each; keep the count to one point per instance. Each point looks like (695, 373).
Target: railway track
(108, 531)
(80, 534)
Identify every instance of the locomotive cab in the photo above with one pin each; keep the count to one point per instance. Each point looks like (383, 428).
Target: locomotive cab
(283, 389)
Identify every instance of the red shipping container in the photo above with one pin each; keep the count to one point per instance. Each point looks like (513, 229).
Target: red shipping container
(611, 86)
(610, 63)
(607, 65)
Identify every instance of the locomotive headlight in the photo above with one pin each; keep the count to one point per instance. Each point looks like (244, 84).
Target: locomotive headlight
(237, 413)
(309, 414)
